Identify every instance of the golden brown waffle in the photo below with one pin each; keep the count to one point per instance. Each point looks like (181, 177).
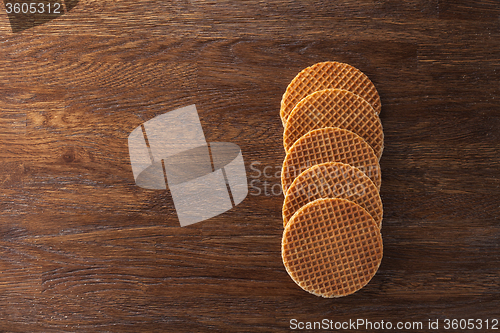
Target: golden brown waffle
(328, 75)
(329, 145)
(331, 247)
(333, 180)
(335, 108)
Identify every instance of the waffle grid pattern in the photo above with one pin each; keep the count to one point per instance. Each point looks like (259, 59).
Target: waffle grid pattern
(332, 212)
(329, 145)
(335, 108)
(328, 75)
(331, 247)
(333, 180)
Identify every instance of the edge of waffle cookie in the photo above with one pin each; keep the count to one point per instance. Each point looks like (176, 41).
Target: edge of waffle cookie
(333, 180)
(335, 108)
(330, 69)
(311, 149)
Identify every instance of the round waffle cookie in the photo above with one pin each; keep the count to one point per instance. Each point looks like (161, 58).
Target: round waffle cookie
(331, 247)
(335, 108)
(333, 180)
(329, 144)
(328, 75)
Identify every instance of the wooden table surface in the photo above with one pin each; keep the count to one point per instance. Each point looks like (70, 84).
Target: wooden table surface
(82, 248)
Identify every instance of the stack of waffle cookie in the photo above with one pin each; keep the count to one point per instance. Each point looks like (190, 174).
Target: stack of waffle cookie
(332, 212)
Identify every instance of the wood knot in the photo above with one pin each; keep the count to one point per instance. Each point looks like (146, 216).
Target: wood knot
(68, 156)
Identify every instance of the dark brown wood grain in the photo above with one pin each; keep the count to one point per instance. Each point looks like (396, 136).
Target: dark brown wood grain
(84, 249)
